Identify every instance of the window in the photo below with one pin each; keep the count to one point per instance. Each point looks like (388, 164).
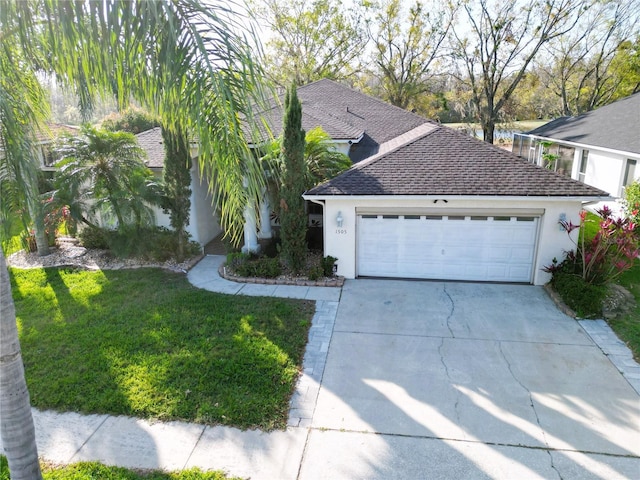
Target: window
(564, 164)
(584, 161)
(517, 144)
(524, 147)
(629, 173)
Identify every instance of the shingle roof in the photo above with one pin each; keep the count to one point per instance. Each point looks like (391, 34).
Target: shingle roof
(347, 114)
(151, 142)
(441, 161)
(313, 116)
(55, 130)
(615, 126)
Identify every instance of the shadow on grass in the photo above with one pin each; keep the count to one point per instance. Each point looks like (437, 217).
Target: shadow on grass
(146, 343)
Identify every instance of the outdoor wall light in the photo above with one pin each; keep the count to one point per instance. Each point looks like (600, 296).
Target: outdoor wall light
(561, 220)
(339, 219)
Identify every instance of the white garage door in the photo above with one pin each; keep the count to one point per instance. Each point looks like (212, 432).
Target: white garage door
(483, 248)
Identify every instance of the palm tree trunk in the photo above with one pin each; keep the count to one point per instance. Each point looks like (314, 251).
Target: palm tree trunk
(42, 242)
(16, 423)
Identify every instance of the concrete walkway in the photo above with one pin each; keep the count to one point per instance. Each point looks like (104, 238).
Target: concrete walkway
(205, 275)
(349, 418)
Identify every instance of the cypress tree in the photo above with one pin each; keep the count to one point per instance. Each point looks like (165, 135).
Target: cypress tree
(293, 218)
(177, 181)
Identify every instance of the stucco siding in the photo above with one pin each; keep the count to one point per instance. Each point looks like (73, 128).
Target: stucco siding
(605, 171)
(203, 225)
(552, 241)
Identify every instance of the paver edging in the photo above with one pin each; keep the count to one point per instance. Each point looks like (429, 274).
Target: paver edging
(558, 301)
(337, 281)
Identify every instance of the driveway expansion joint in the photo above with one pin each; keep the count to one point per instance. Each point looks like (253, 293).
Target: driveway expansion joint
(476, 442)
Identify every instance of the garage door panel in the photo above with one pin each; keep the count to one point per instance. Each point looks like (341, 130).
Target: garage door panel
(459, 248)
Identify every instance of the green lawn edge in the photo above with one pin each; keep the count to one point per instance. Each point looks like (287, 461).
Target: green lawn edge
(146, 343)
(96, 470)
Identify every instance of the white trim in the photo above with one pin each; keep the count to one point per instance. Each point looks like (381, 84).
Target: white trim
(586, 146)
(492, 212)
(434, 198)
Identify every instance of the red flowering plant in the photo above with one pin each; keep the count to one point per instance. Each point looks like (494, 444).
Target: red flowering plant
(632, 202)
(57, 216)
(610, 252)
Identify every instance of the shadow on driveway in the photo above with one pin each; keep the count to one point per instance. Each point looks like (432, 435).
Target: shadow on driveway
(454, 380)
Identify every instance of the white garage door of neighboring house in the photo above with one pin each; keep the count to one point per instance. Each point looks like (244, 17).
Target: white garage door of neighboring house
(460, 247)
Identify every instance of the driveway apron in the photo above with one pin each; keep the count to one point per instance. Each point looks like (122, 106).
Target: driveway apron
(458, 380)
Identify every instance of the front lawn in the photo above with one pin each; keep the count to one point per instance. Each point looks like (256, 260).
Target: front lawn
(628, 327)
(91, 470)
(146, 343)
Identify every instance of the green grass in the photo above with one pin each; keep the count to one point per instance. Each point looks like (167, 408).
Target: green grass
(520, 125)
(146, 343)
(628, 327)
(95, 470)
(591, 226)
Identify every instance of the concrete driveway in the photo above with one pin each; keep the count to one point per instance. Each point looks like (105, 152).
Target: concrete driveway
(467, 381)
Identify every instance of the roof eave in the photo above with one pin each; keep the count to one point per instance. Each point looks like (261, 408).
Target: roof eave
(537, 198)
(586, 146)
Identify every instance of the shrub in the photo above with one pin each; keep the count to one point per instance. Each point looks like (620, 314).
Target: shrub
(91, 237)
(612, 250)
(235, 259)
(250, 265)
(315, 273)
(327, 265)
(154, 243)
(585, 299)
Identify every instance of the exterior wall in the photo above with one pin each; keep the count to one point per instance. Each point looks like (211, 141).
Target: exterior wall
(552, 240)
(203, 225)
(342, 147)
(605, 170)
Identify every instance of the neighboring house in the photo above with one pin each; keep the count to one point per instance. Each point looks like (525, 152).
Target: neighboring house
(600, 148)
(437, 204)
(203, 221)
(45, 142)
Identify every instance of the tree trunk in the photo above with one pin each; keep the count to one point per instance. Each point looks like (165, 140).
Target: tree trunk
(16, 423)
(488, 130)
(36, 212)
(42, 242)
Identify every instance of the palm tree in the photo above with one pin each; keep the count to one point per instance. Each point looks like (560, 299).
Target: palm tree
(105, 171)
(322, 160)
(18, 434)
(182, 61)
(22, 107)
